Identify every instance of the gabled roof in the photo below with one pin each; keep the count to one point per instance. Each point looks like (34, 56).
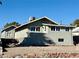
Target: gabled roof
(8, 27)
(46, 18)
(38, 20)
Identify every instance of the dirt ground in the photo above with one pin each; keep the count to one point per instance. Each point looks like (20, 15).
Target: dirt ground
(42, 52)
(0, 51)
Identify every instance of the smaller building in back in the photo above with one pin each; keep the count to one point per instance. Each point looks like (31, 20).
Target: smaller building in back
(9, 32)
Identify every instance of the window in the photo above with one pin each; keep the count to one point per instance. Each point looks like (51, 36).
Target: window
(60, 40)
(37, 28)
(32, 29)
(45, 28)
(9, 34)
(52, 28)
(57, 28)
(67, 29)
(6, 33)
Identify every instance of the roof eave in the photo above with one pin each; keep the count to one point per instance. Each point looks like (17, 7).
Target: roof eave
(37, 20)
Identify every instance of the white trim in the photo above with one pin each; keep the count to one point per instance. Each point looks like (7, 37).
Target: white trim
(58, 25)
(50, 19)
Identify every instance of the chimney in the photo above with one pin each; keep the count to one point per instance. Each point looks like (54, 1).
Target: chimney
(31, 18)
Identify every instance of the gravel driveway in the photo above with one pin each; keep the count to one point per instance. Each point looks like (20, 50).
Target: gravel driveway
(39, 51)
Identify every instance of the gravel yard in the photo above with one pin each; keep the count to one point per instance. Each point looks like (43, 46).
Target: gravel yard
(42, 52)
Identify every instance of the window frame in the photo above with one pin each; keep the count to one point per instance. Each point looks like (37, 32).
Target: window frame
(35, 30)
(32, 28)
(60, 39)
(45, 28)
(53, 28)
(67, 29)
(58, 28)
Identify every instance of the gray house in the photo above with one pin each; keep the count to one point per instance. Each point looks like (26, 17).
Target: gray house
(44, 31)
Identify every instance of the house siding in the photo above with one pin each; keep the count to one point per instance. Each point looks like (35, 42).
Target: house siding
(55, 35)
(20, 35)
(47, 37)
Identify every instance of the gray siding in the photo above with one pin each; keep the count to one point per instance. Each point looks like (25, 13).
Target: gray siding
(55, 35)
(46, 38)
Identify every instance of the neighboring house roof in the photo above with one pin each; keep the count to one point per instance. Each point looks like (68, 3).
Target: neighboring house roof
(37, 20)
(12, 26)
(75, 29)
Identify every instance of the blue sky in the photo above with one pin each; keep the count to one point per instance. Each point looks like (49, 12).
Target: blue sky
(20, 10)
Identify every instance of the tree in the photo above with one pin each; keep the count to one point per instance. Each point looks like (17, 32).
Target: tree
(76, 23)
(12, 23)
